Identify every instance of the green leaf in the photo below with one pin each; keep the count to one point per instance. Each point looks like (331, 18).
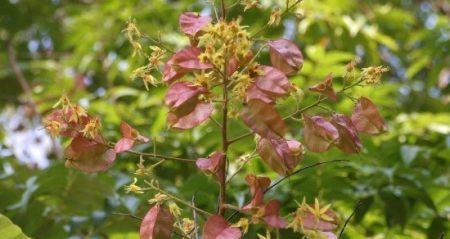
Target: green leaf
(366, 203)
(395, 207)
(417, 66)
(9, 230)
(409, 153)
(437, 228)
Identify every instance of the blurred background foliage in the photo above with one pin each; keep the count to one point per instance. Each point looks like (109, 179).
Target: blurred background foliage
(51, 47)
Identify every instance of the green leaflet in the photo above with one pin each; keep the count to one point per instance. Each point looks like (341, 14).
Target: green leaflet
(9, 230)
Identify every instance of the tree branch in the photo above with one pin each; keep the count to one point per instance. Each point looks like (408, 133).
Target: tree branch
(224, 131)
(240, 137)
(358, 204)
(17, 71)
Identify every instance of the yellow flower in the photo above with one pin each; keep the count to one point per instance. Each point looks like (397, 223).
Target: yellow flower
(158, 198)
(134, 188)
(64, 101)
(133, 35)
(241, 83)
(54, 127)
(142, 170)
(149, 79)
(187, 225)
(156, 56)
(144, 72)
(275, 17)
(372, 75)
(205, 79)
(175, 210)
(77, 113)
(243, 224)
(92, 128)
(320, 212)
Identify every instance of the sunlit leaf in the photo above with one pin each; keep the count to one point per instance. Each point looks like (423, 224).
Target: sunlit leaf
(281, 155)
(216, 227)
(366, 117)
(318, 134)
(191, 23)
(285, 56)
(157, 224)
(89, 155)
(263, 119)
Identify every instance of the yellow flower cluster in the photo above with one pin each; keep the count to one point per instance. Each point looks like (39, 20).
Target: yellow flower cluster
(206, 80)
(92, 128)
(74, 112)
(141, 169)
(133, 35)
(145, 72)
(224, 41)
(241, 80)
(372, 75)
(174, 209)
(154, 59)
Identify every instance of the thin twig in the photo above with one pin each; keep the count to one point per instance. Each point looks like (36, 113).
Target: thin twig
(242, 166)
(358, 204)
(126, 215)
(159, 156)
(224, 10)
(233, 5)
(215, 121)
(17, 71)
(152, 186)
(302, 169)
(240, 137)
(162, 156)
(194, 214)
(214, 8)
(158, 43)
(286, 11)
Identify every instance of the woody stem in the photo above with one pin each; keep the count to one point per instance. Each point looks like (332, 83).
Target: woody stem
(225, 143)
(224, 10)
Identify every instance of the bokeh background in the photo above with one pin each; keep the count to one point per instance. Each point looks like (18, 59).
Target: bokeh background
(51, 47)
